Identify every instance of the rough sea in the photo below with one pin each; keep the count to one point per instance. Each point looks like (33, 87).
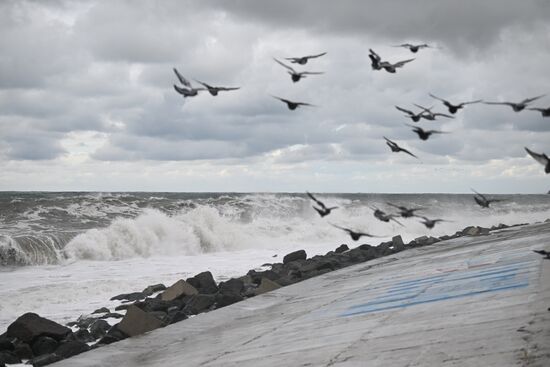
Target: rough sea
(65, 254)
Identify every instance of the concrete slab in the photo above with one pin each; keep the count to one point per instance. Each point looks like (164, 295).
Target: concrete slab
(471, 301)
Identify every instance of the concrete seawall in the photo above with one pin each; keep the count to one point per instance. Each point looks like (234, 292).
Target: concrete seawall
(470, 301)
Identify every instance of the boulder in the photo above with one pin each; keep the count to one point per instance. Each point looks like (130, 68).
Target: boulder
(113, 335)
(111, 315)
(9, 358)
(44, 360)
(266, 285)
(82, 335)
(257, 276)
(23, 351)
(475, 231)
(199, 303)
(129, 297)
(293, 256)
(157, 304)
(152, 289)
(397, 243)
(179, 289)
(101, 310)
(6, 344)
(99, 328)
(30, 326)
(341, 248)
(136, 322)
(44, 345)
(71, 348)
(232, 286)
(122, 307)
(204, 283)
(226, 299)
(177, 317)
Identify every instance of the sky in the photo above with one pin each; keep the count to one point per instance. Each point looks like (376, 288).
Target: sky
(87, 100)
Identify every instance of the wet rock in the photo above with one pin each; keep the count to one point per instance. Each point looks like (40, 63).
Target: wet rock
(30, 326)
(152, 289)
(204, 283)
(83, 322)
(8, 358)
(113, 335)
(397, 243)
(44, 360)
(122, 307)
(101, 310)
(129, 297)
(44, 345)
(341, 248)
(111, 315)
(266, 285)
(293, 256)
(82, 335)
(231, 286)
(199, 303)
(99, 328)
(136, 322)
(23, 351)
(179, 289)
(71, 348)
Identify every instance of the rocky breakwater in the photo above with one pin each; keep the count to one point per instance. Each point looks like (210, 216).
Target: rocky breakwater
(39, 341)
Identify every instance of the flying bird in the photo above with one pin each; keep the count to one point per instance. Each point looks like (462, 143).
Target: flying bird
(354, 234)
(543, 253)
(384, 217)
(296, 76)
(482, 200)
(453, 108)
(544, 111)
(413, 116)
(214, 90)
(425, 134)
(188, 90)
(375, 60)
(392, 68)
(413, 48)
(304, 59)
(292, 105)
(396, 148)
(518, 106)
(541, 158)
(429, 115)
(404, 211)
(430, 223)
(323, 210)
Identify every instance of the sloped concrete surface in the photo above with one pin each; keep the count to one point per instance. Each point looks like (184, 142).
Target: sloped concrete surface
(471, 301)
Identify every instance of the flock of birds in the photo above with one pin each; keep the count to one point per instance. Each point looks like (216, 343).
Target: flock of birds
(423, 113)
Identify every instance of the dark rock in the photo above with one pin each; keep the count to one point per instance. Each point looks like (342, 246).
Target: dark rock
(99, 328)
(8, 358)
(83, 322)
(113, 335)
(71, 348)
(122, 307)
(129, 297)
(161, 315)
(101, 310)
(156, 304)
(152, 289)
(177, 317)
(232, 286)
(136, 322)
(6, 344)
(293, 256)
(228, 298)
(23, 351)
(257, 276)
(44, 345)
(82, 335)
(30, 326)
(179, 289)
(199, 303)
(111, 315)
(204, 283)
(266, 285)
(397, 243)
(341, 248)
(45, 360)
(475, 231)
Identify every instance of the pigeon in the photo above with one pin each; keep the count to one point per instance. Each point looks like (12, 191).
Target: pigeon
(482, 200)
(353, 234)
(413, 116)
(544, 111)
(431, 116)
(214, 90)
(304, 59)
(292, 105)
(396, 148)
(541, 158)
(430, 223)
(296, 76)
(323, 210)
(404, 211)
(425, 134)
(375, 60)
(380, 215)
(519, 106)
(413, 48)
(392, 68)
(453, 108)
(188, 91)
(543, 253)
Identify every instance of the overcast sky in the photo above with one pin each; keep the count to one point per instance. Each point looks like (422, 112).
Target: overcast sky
(87, 102)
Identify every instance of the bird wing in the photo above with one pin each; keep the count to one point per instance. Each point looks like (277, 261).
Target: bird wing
(541, 158)
(374, 54)
(443, 114)
(206, 85)
(228, 88)
(529, 100)
(285, 101)
(502, 103)
(396, 221)
(320, 203)
(182, 79)
(406, 151)
(471, 102)
(181, 91)
(404, 45)
(416, 128)
(437, 132)
(310, 72)
(390, 142)
(401, 63)
(480, 195)
(284, 65)
(441, 99)
(292, 59)
(314, 56)
(305, 104)
(537, 109)
(429, 110)
(405, 111)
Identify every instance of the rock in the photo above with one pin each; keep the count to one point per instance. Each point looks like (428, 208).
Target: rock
(226, 299)
(83, 322)
(341, 248)
(199, 303)
(204, 283)
(232, 286)
(44, 360)
(82, 335)
(179, 289)
(152, 289)
(136, 322)
(475, 231)
(113, 335)
(101, 310)
(161, 315)
(293, 256)
(99, 328)
(156, 304)
(397, 243)
(257, 276)
(30, 326)
(177, 317)
(266, 285)
(23, 351)
(8, 358)
(6, 344)
(71, 348)
(122, 307)
(129, 297)
(44, 345)
(111, 315)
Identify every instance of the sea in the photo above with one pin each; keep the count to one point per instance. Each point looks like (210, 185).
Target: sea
(65, 254)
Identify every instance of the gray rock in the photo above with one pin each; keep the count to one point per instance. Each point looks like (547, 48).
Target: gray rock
(341, 248)
(45, 360)
(257, 276)
(101, 310)
(136, 322)
(157, 304)
(23, 351)
(152, 289)
(161, 315)
(99, 328)
(30, 326)
(9, 358)
(122, 307)
(293, 256)
(179, 289)
(228, 298)
(397, 243)
(71, 348)
(111, 315)
(44, 345)
(199, 303)
(177, 317)
(232, 286)
(129, 297)
(204, 283)
(113, 335)
(266, 285)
